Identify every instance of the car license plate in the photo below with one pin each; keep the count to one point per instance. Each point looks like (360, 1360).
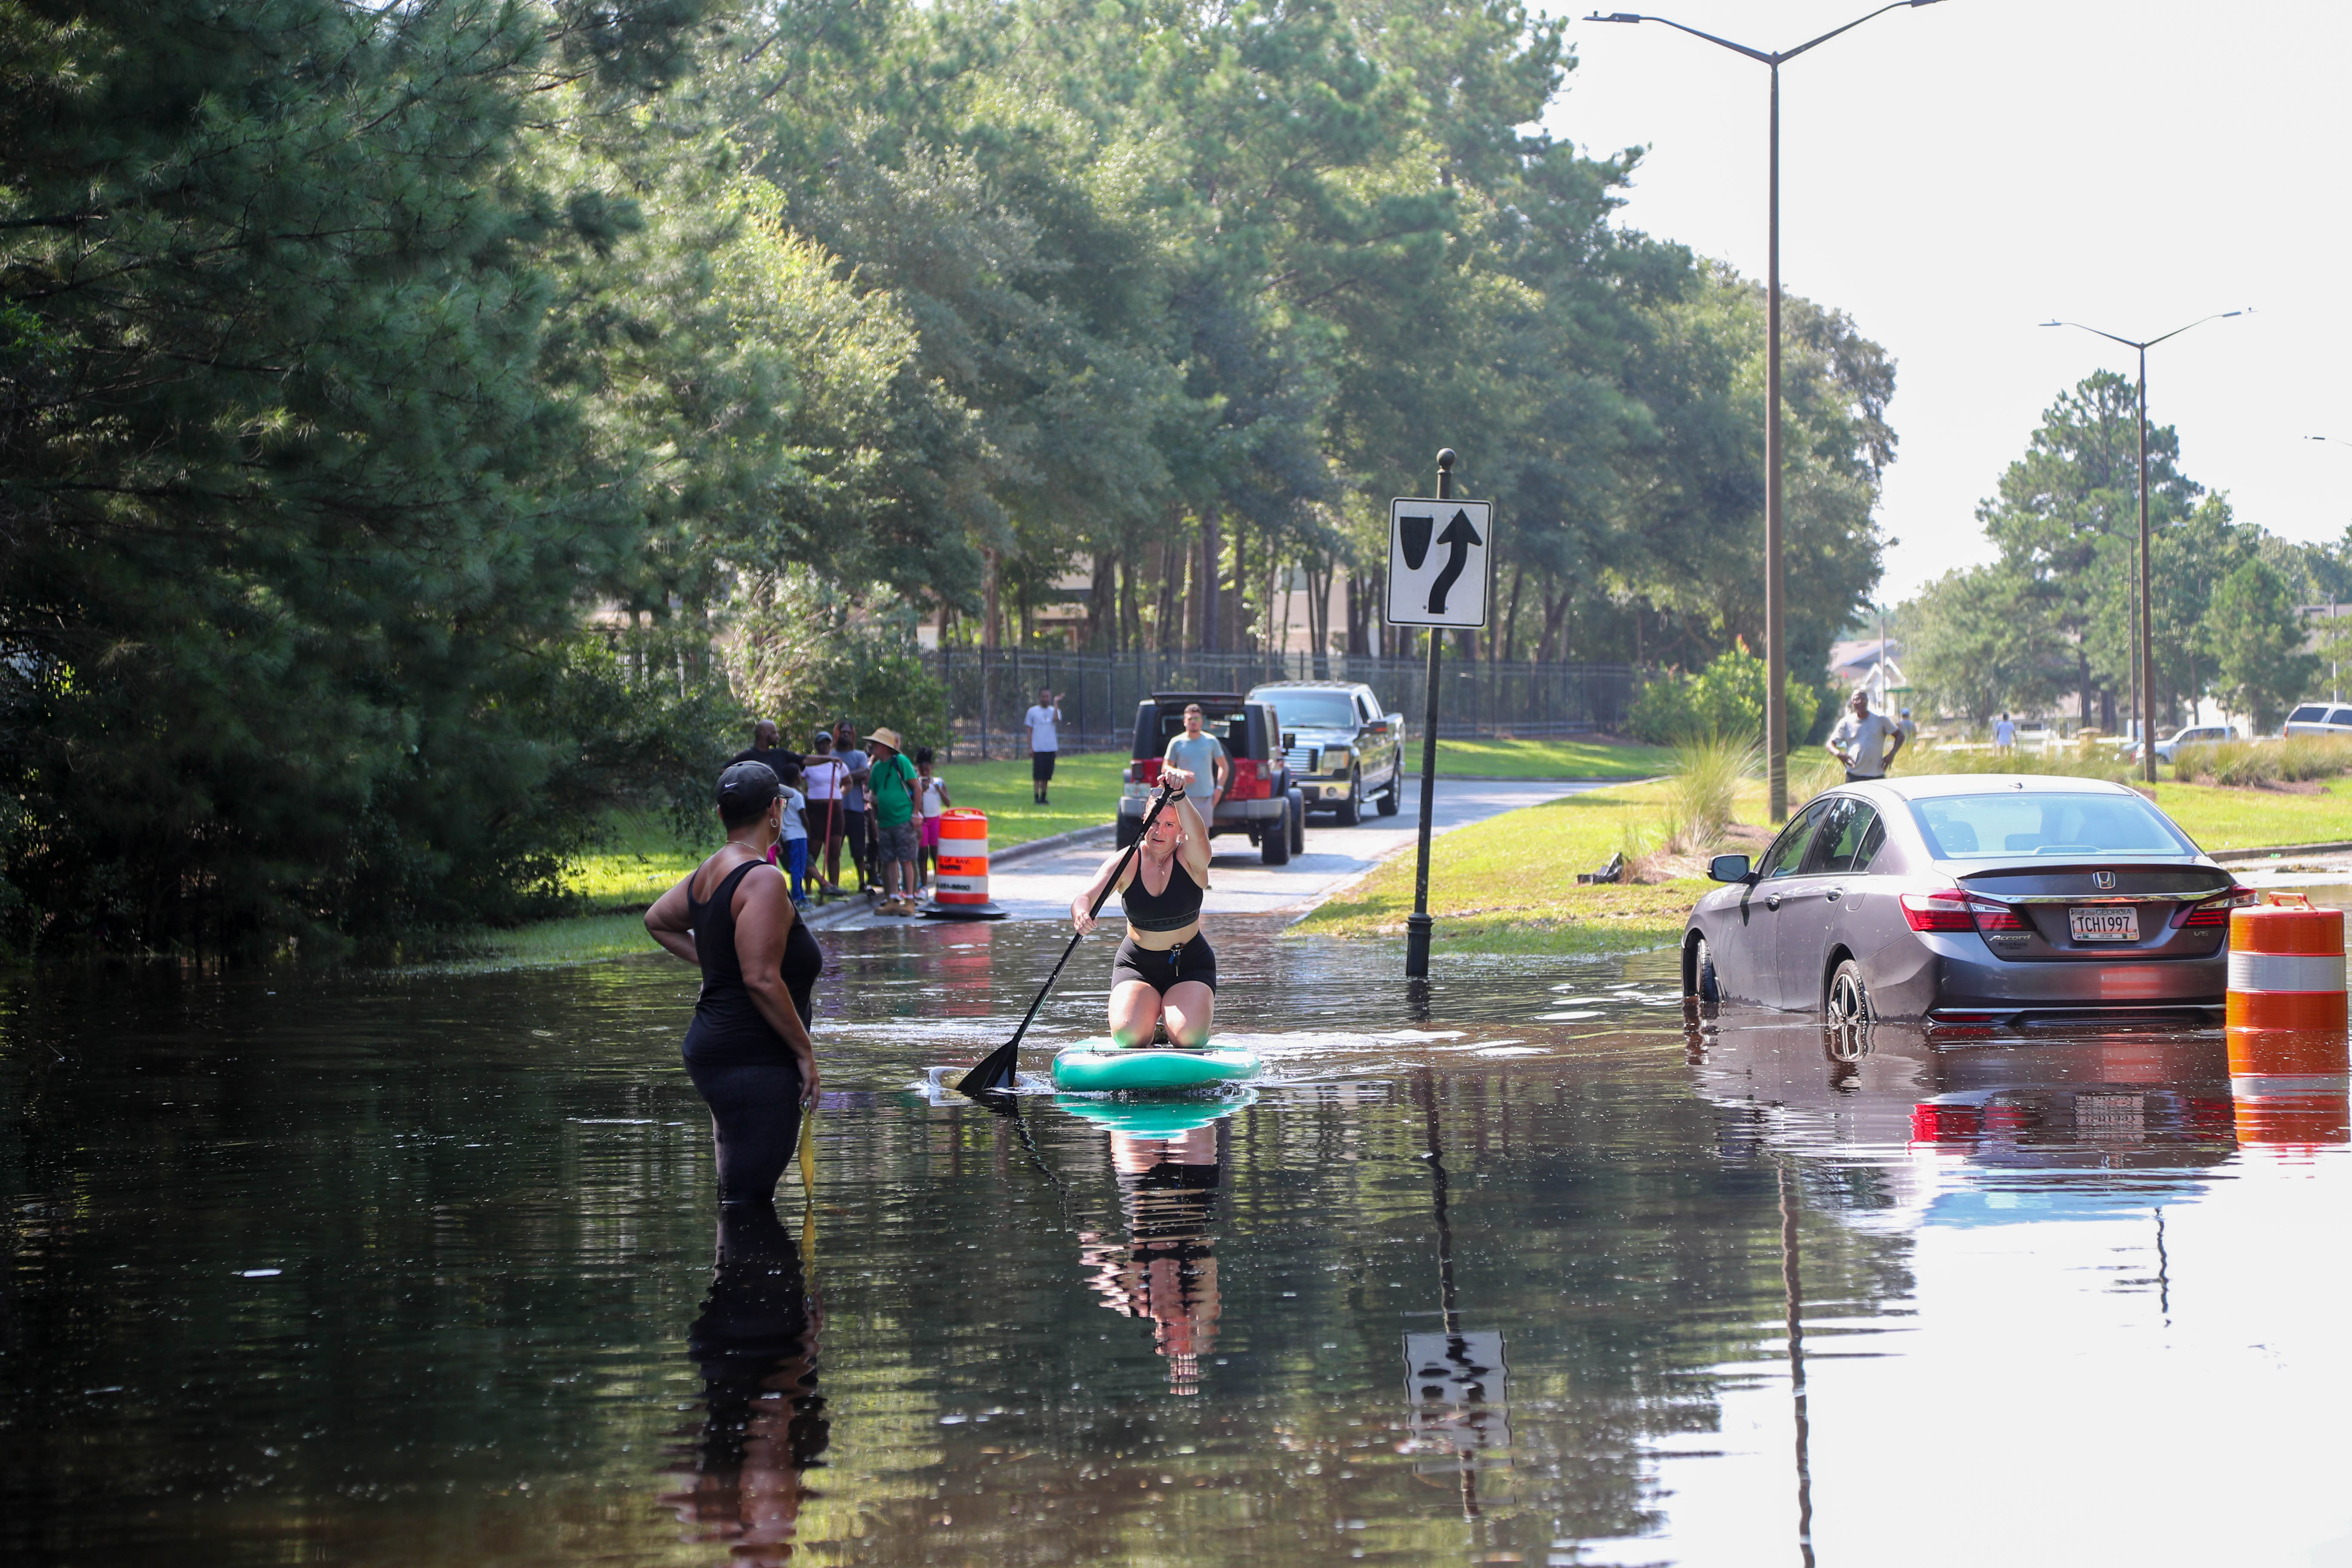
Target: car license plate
(2103, 923)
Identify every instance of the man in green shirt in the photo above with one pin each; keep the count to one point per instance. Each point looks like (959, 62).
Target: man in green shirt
(892, 784)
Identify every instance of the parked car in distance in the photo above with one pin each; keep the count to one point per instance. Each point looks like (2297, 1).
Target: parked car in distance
(1340, 745)
(2319, 719)
(1973, 899)
(2168, 746)
(1260, 800)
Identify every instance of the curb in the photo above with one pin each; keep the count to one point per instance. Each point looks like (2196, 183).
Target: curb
(2281, 851)
(1047, 844)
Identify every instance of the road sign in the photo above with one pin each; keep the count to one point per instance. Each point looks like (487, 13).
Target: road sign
(1440, 560)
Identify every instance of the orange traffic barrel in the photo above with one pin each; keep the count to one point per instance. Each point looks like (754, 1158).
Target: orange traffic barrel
(2286, 968)
(2288, 1054)
(962, 891)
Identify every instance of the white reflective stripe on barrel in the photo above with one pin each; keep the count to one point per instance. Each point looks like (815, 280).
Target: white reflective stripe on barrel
(2273, 1086)
(2286, 971)
(963, 848)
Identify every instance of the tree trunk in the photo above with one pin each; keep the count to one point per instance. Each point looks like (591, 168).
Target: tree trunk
(991, 626)
(1511, 615)
(1102, 602)
(1209, 588)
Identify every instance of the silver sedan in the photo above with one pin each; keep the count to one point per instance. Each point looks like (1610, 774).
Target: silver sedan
(1969, 899)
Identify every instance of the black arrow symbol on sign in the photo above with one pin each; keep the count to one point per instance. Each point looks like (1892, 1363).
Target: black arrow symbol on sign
(1458, 537)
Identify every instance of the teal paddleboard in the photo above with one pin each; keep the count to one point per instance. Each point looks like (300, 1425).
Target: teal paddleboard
(1099, 1067)
(1156, 1118)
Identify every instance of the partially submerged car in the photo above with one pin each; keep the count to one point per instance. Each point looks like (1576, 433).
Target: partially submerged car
(1969, 899)
(1340, 745)
(1260, 800)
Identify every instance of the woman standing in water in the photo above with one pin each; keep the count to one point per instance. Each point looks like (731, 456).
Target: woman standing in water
(747, 1049)
(1166, 971)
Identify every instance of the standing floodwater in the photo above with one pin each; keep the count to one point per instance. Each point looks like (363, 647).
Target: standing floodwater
(428, 1267)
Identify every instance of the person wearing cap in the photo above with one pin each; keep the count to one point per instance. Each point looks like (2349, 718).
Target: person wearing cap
(747, 1049)
(892, 781)
(856, 819)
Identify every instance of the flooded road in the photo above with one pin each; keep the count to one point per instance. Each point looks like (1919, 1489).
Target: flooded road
(1526, 1268)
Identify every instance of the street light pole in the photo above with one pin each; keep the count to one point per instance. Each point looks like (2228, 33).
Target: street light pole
(1776, 640)
(2144, 656)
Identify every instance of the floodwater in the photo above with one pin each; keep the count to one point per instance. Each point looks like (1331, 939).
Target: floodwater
(1524, 1269)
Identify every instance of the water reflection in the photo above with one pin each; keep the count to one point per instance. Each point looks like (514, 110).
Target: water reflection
(398, 1270)
(1166, 1269)
(764, 1424)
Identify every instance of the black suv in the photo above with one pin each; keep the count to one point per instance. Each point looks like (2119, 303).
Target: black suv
(1340, 746)
(1260, 798)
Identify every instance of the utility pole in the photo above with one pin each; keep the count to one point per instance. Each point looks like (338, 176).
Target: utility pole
(1776, 628)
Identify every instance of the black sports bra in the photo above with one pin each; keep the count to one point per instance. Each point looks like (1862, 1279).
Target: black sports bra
(1172, 908)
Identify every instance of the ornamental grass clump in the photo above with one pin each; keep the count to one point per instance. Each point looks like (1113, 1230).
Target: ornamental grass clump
(2249, 764)
(1704, 789)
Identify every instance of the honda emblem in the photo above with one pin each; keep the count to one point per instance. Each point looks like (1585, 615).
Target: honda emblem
(2102, 881)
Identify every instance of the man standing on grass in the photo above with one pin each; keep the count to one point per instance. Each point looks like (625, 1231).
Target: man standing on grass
(1038, 734)
(1860, 741)
(2004, 736)
(767, 750)
(1202, 755)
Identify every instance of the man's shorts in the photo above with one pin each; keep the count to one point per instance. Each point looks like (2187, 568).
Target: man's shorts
(900, 839)
(1040, 766)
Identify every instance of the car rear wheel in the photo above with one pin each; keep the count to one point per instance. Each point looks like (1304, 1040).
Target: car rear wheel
(1274, 841)
(1391, 797)
(1127, 831)
(1847, 1006)
(1351, 809)
(1297, 827)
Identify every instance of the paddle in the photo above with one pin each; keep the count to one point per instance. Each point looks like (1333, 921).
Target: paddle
(995, 1071)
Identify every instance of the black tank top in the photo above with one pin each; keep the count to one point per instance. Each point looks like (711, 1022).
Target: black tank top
(1172, 908)
(728, 1027)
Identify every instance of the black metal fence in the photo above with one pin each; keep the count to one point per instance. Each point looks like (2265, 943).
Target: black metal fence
(989, 690)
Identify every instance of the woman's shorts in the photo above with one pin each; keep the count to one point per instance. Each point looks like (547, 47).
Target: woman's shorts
(930, 833)
(1194, 961)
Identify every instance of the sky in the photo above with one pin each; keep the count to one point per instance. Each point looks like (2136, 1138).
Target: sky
(1954, 174)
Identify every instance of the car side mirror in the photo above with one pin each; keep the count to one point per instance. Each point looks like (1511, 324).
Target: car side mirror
(1728, 869)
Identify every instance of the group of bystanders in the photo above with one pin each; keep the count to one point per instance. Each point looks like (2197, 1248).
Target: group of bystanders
(866, 794)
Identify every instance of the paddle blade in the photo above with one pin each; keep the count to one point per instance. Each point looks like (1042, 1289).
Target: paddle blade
(995, 1071)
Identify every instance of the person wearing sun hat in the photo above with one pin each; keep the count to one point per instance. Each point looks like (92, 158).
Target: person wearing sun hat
(892, 785)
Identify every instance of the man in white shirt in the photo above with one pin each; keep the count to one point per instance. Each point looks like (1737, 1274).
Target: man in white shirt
(2004, 736)
(1860, 741)
(1037, 734)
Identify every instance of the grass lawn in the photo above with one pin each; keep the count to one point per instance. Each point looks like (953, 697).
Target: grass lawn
(2251, 818)
(642, 858)
(1590, 758)
(1509, 884)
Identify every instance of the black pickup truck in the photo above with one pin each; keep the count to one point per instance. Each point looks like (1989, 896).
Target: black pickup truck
(1261, 799)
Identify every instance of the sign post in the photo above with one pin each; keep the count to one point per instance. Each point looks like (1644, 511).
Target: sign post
(1438, 588)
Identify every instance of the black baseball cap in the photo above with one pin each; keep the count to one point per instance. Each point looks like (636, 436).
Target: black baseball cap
(747, 787)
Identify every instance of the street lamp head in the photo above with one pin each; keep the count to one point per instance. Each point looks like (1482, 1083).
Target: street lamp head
(1613, 17)
(2050, 323)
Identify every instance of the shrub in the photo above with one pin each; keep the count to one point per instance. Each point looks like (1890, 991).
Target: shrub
(2060, 763)
(1725, 699)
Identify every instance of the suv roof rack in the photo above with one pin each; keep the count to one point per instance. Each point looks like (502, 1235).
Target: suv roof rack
(1197, 696)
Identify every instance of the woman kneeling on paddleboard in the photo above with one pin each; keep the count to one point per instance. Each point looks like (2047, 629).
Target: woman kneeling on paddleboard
(1165, 968)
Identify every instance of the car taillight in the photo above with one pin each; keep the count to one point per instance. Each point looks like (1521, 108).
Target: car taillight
(2213, 912)
(1998, 917)
(1945, 1124)
(1249, 782)
(1936, 911)
(1148, 771)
